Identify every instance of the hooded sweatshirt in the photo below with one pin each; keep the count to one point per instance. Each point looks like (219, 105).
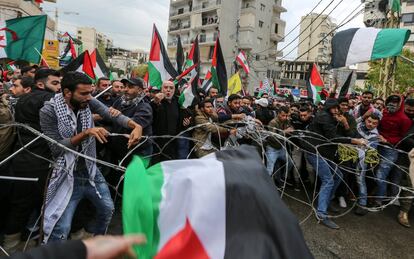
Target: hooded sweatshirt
(394, 126)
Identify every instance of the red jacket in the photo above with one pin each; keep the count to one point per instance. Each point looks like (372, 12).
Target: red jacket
(393, 127)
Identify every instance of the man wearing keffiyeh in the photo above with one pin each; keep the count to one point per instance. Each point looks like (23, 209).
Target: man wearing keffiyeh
(67, 118)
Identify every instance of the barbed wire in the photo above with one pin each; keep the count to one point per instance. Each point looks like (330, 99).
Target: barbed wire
(246, 130)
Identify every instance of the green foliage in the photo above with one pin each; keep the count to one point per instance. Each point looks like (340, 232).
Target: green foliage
(140, 70)
(404, 78)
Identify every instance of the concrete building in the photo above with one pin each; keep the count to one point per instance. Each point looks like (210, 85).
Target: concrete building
(92, 38)
(10, 9)
(407, 21)
(253, 26)
(293, 73)
(312, 30)
(126, 60)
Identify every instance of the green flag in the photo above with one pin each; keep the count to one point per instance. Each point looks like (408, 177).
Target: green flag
(25, 37)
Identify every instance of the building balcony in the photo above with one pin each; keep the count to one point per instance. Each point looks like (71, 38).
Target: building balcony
(173, 43)
(276, 37)
(249, 9)
(275, 53)
(207, 6)
(180, 12)
(208, 39)
(180, 27)
(277, 7)
(178, 2)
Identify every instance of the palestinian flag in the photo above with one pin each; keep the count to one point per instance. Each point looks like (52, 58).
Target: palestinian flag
(194, 55)
(159, 66)
(314, 83)
(242, 60)
(22, 38)
(69, 53)
(82, 63)
(345, 87)
(189, 93)
(98, 64)
(221, 206)
(364, 44)
(207, 83)
(218, 70)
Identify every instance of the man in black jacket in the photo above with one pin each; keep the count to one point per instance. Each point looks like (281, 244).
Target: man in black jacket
(33, 162)
(166, 112)
(320, 153)
(135, 105)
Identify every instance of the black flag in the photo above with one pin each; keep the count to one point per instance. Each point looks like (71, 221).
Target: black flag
(180, 56)
(346, 85)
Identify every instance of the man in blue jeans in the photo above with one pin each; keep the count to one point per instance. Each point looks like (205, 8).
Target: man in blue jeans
(67, 118)
(321, 147)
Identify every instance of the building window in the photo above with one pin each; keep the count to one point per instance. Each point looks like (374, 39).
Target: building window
(262, 7)
(211, 52)
(79, 32)
(276, 28)
(261, 24)
(259, 41)
(408, 19)
(257, 57)
(268, 73)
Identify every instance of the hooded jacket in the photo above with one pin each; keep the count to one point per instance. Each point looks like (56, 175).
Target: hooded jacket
(394, 126)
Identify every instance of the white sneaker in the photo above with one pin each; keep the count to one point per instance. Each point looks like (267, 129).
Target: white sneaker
(342, 202)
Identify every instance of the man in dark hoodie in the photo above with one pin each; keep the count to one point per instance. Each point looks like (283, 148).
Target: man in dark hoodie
(392, 128)
(319, 155)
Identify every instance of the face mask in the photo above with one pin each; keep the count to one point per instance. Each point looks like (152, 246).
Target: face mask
(392, 108)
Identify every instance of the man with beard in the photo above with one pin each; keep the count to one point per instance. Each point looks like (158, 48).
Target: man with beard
(166, 112)
(392, 128)
(106, 98)
(117, 89)
(135, 105)
(67, 118)
(232, 111)
(26, 197)
(363, 110)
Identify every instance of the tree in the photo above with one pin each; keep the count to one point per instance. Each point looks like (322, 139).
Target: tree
(102, 51)
(140, 70)
(403, 73)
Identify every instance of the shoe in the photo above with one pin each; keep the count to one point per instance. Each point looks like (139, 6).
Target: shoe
(81, 235)
(360, 211)
(403, 219)
(12, 243)
(329, 223)
(342, 202)
(333, 208)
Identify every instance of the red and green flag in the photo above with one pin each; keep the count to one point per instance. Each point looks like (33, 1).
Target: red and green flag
(197, 208)
(159, 66)
(82, 63)
(22, 38)
(314, 83)
(218, 70)
(98, 65)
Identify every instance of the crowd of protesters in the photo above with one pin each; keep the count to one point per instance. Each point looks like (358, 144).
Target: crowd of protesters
(301, 145)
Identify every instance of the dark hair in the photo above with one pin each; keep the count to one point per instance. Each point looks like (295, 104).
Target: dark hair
(248, 98)
(284, 109)
(409, 102)
(233, 97)
(211, 89)
(203, 103)
(101, 79)
(368, 92)
(27, 82)
(378, 99)
(26, 69)
(71, 80)
(343, 100)
(305, 108)
(297, 105)
(374, 116)
(44, 73)
(219, 96)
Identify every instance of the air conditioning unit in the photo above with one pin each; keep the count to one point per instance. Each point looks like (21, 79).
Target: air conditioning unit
(374, 16)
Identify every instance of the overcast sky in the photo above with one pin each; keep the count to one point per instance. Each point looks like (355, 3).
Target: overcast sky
(129, 22)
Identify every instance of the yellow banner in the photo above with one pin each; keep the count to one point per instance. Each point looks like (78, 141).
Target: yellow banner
(51, 53)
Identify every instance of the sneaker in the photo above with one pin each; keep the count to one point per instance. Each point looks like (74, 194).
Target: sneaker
(403, 219)
(360, 211)
(342, 202)
(329, 223)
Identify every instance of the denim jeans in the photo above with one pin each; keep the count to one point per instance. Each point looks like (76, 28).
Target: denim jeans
(362, 186)
(183, 146)
(83, 189)
(389, 156)
(273, 155)
(330, 177)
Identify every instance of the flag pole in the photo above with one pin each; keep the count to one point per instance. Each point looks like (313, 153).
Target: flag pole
(104, 91)
(40, 54)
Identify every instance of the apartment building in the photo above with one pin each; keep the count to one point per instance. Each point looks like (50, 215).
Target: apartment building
(91, 38)
(315, 38)
(407, 21)
(253, 26)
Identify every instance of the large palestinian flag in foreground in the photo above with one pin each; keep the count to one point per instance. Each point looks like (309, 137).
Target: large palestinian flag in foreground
(314, 83)
(221, 206)
(22, 38)
(159, 66)
(365, 44)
